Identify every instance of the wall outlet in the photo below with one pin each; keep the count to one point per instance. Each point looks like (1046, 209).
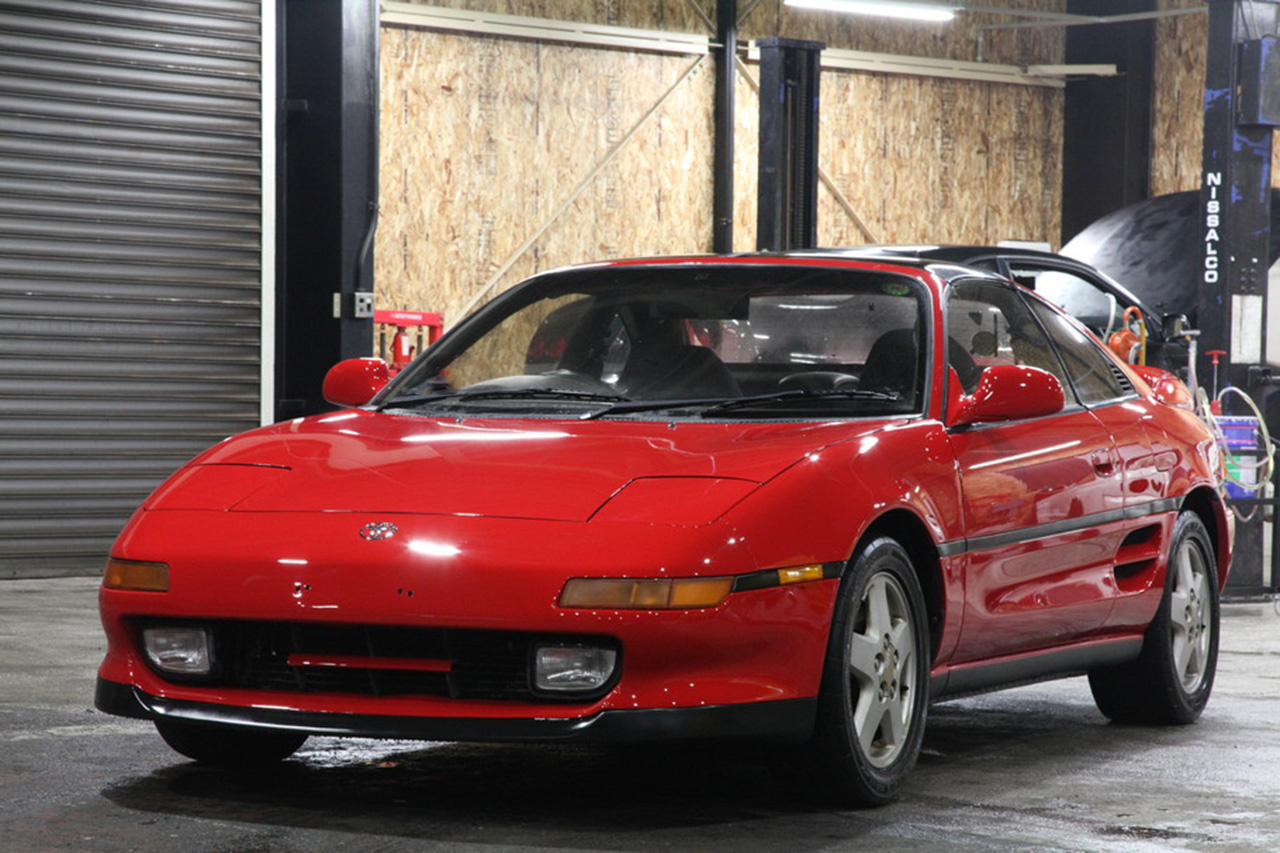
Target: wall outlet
(363, 304)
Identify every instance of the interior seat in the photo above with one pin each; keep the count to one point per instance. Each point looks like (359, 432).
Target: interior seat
(676, 372)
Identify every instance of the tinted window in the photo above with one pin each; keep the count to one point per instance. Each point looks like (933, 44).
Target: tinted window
(1092, 373)
(1078, 296)
(848, 342)
(989, 324)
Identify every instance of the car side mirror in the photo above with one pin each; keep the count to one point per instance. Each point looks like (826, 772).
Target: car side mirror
(354, 381)
(1009, 392)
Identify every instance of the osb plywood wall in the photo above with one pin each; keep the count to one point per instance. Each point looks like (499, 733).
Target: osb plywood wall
(959, 39)
(502, 157)
(1178, 123)
(495, 162)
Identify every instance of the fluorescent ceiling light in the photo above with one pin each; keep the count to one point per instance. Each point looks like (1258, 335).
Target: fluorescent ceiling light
(882, 8)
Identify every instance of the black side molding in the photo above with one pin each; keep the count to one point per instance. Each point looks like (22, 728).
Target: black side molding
(967, 679)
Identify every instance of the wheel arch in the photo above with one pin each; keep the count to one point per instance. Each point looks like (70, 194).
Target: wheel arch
(909, 531)
(1207, 504)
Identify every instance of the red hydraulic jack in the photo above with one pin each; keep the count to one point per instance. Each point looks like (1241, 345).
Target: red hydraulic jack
(402, 344)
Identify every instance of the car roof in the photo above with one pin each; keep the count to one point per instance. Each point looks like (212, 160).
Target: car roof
(960, 254)
(936, 273)
(969, 254)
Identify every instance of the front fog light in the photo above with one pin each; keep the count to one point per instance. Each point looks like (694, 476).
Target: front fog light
(179, 651)
(581, 669)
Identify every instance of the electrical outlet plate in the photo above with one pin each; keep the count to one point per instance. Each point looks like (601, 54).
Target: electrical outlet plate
(363, 304)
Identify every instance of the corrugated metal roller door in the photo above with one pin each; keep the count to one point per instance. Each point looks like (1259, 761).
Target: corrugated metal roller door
(130, 259)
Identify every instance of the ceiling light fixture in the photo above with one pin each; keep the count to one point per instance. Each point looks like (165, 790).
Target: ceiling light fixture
(883, 8)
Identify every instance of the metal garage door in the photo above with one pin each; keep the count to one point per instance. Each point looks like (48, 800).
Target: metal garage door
(130, 259)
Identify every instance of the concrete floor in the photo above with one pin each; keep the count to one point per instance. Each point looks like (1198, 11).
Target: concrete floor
(1036, 768)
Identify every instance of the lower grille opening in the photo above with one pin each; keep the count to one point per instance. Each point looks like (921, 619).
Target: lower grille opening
(457, 663)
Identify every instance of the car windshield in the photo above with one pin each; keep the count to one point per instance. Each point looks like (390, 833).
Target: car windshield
(739, 341)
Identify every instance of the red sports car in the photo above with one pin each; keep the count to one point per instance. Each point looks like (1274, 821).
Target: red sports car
(787, 499)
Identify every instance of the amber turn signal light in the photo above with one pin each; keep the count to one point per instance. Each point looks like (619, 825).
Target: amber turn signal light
(136, 576)
(801, 574)
(645, 593)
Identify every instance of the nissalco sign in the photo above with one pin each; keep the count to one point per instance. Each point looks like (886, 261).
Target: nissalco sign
(1212, 219)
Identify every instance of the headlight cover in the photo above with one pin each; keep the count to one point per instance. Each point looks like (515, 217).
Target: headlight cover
(573, 669)
(182, 651)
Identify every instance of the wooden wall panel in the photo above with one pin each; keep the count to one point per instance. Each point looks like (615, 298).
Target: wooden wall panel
(967, 163)
(675, 15)
(1178, 120)
(958, 39)
(485, 140)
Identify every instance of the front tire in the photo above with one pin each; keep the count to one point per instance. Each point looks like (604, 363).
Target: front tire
(229, 746)
(1170, 681)
(875, 685)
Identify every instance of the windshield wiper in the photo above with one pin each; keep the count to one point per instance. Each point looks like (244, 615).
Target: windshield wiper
(509, 394)
(803, 394)
(711, 405)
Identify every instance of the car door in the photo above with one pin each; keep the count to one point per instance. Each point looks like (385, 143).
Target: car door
(1144, 454)
(1042, 498)
(1103, 388)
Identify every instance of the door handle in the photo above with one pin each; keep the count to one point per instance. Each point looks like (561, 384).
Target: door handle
(1103, 464)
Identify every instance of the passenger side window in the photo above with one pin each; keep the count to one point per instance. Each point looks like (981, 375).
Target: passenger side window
(989, 324)
(1095, 377)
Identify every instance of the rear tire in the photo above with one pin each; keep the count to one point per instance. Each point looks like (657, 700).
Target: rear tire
(875, 683)
(1170, 681)
(228, 746)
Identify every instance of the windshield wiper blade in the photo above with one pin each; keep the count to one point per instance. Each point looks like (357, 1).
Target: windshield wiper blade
(712, 405)
(626, 406)
(508, 394)
(794, 394)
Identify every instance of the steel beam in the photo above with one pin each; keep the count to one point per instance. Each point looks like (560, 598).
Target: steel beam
(726, 76)
(787, 211)
(1235, 217)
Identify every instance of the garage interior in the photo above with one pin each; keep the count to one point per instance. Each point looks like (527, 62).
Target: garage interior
(207, 203)
(181, 263)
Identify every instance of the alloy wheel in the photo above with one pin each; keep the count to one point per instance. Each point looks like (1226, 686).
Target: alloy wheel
(882, 669)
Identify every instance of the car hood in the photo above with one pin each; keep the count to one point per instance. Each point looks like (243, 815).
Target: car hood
(360, 461)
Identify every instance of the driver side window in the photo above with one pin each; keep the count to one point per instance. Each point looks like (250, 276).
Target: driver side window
(989, 324)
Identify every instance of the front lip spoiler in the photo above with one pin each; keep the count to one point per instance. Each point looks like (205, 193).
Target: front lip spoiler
(786, 721)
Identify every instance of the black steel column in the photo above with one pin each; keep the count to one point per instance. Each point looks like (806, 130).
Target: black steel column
(327, 193)
(1235, 193)
(787, 214)
(1106, 144)
(726, 78)
(1240, 110)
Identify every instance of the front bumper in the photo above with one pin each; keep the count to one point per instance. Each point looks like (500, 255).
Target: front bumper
(789, 721)
(761, 646)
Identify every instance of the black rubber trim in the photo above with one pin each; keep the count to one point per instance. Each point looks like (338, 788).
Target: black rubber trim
(967, 679)
(769, 577)
(789, 720)
(1057, 528)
